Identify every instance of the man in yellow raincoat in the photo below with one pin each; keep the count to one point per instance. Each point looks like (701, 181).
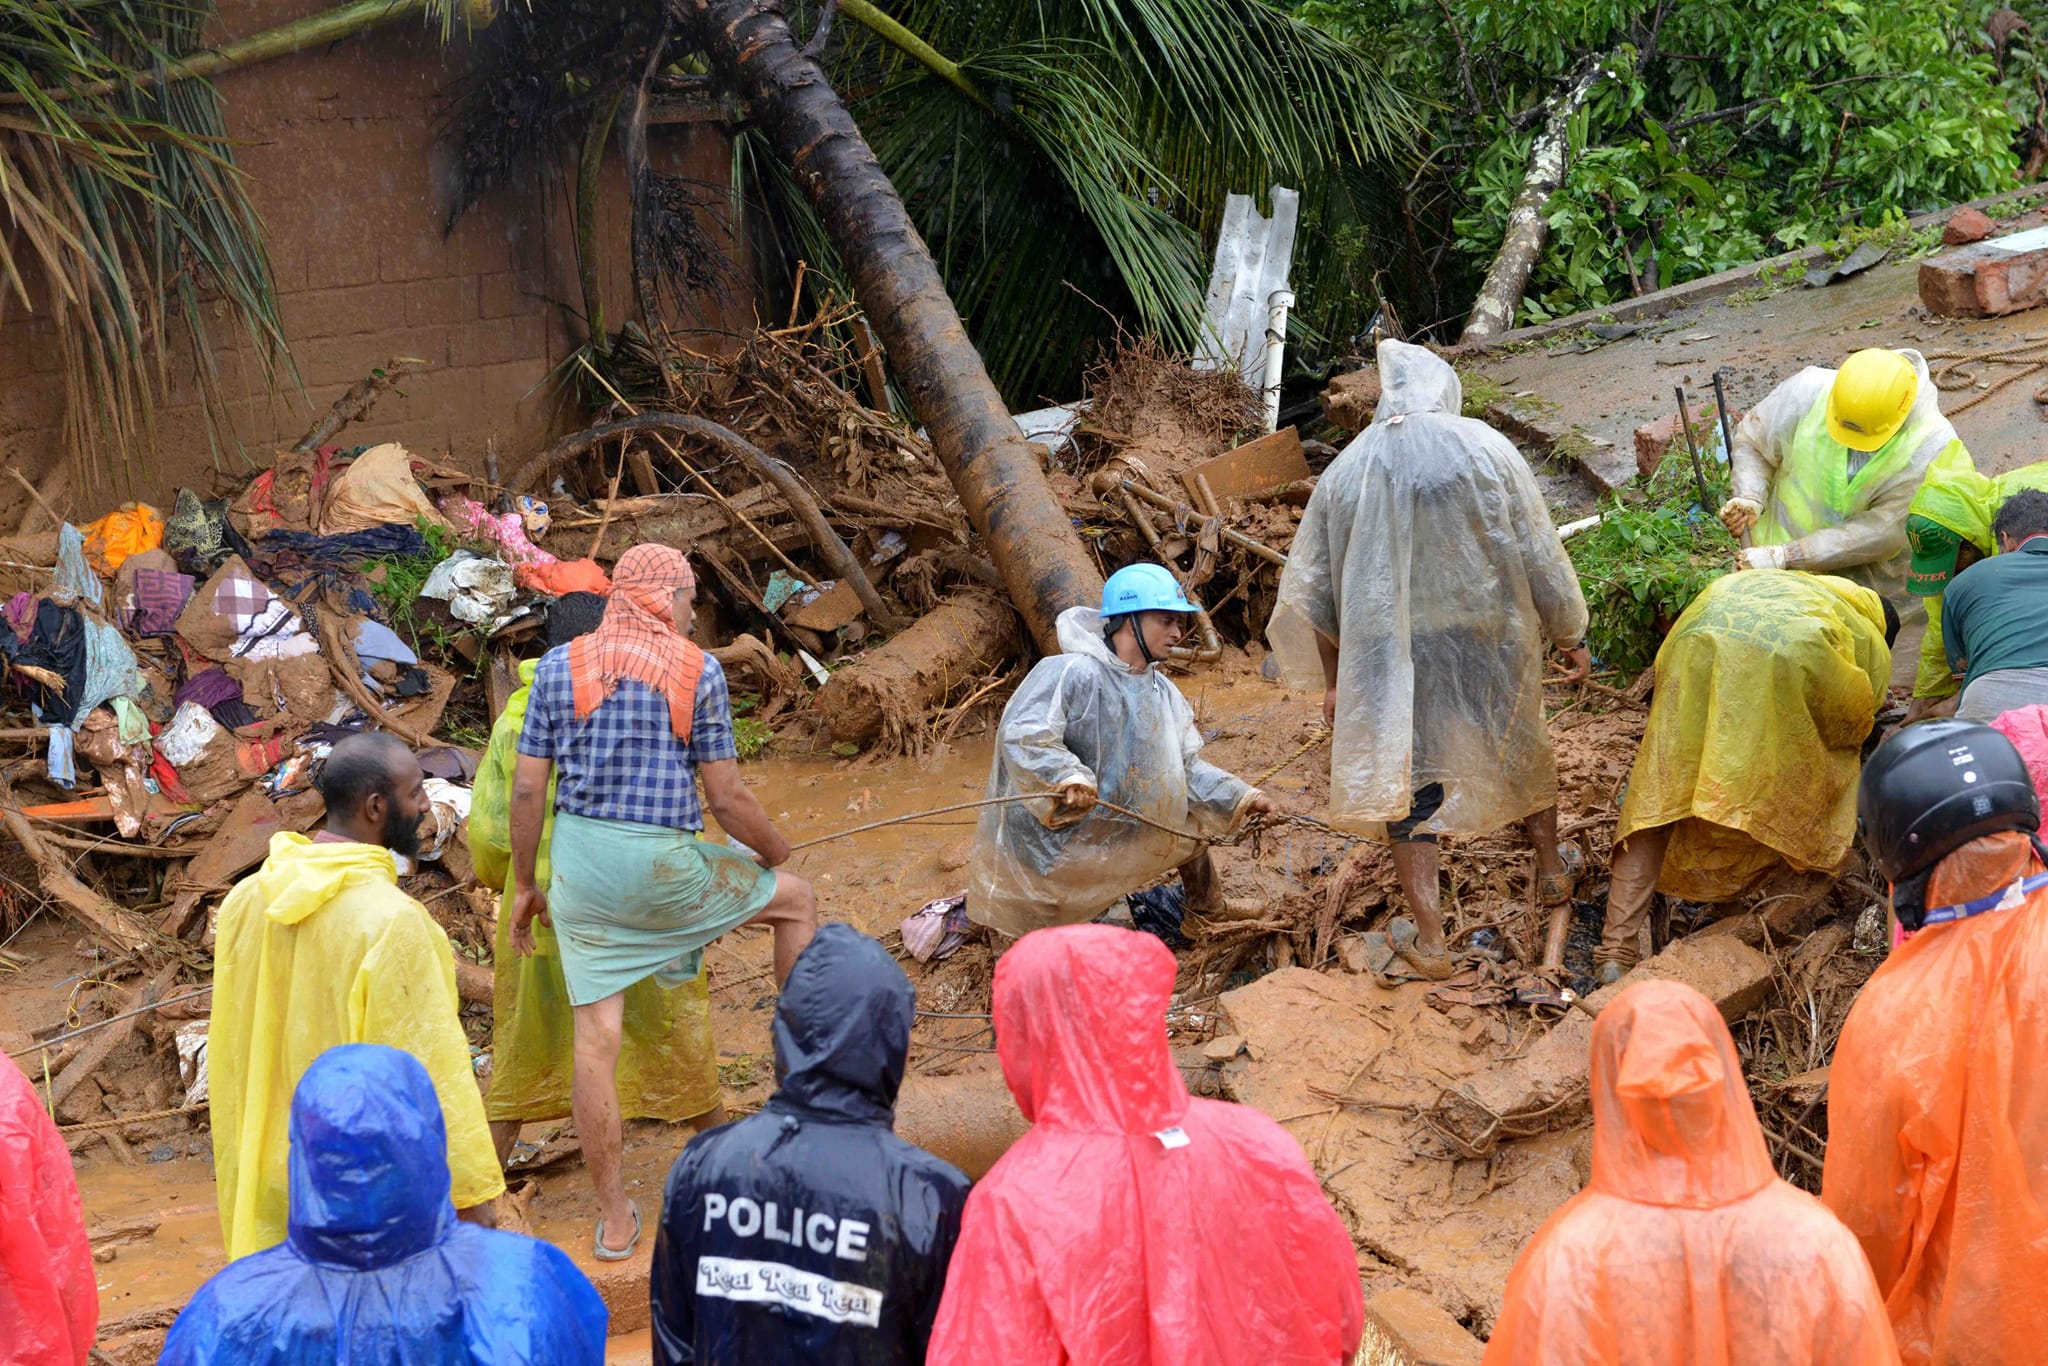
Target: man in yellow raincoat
(1825, 467)
(318, 947)
(668, 1063)
(1767, 687)
(1949, 529)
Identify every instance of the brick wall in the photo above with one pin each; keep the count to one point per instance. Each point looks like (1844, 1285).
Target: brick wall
(344, 166)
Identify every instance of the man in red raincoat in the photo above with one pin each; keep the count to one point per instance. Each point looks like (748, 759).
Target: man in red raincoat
(49, 1305)
(1685, 1246)
(1938, 1104)
(1134, 1226)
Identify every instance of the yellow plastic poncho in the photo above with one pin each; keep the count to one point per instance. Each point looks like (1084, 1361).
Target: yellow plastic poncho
(1965, 502)
(318, 947)
(1766, 688)
(668, 1065)
(1829, 521)
(1427, 553)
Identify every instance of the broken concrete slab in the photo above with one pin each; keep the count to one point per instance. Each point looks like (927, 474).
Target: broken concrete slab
(1414, 1330)
(1989, 278)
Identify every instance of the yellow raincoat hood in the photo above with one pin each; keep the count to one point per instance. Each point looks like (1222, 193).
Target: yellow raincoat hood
(300, 876)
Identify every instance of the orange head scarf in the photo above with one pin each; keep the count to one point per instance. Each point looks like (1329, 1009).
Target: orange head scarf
(638, 638)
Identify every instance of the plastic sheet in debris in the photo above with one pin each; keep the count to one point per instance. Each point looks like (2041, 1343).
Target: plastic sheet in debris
(478, 591)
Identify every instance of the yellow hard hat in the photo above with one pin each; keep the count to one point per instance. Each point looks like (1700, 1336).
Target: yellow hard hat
(1871, 395)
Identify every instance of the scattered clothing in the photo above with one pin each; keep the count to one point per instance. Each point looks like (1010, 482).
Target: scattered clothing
(668, 1060)
(74, 579)
(149, 596)
(199, 536)
(854, 1274)
(1084, 716)
(56, 645)
(935, 931)
(49, 1300)
(1935, 1119)
(1994, 618)
(129, 530)
(60, 760)
(21, 615)
(478, 591)
(1685, 1245)
(287, 496)
(1134, 1224)
(319, 947)
(222, 609)
(562, 578)
(377, 489)
(209, 688)
(110, 670)
(1427, 555)
(1836, 510)
(375, 1266)
(507, 532)
(308, 550)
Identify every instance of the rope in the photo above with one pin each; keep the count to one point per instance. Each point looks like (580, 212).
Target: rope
(1321, 735)
(1100, 805)
(48, 1044)
(2031, 356)
(118, 1120)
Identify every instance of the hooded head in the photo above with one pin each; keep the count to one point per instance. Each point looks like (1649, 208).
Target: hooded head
(842, 1028)
(1672, 1120)
(369, 1159)
(1080, 1015)
(1414, 379)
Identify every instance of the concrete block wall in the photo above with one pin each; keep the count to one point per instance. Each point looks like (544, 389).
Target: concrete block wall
(346, 167)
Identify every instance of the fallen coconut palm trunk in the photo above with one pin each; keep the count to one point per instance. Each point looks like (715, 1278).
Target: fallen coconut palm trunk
(888, 691)
(1001, 485)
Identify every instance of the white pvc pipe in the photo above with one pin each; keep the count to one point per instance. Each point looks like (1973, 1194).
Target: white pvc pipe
(1277, 304)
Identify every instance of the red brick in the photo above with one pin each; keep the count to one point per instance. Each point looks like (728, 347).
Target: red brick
(1653, 439)
(1966, 225)
(1987, 279)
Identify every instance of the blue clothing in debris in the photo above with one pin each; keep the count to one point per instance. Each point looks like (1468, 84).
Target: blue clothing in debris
(376, 1268)
(74, 576)
(809, 1234)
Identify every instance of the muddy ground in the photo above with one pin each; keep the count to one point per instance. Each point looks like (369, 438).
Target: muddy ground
(1357, 1072)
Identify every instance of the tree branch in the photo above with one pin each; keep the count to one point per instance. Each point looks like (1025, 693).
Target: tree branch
(1713, 115)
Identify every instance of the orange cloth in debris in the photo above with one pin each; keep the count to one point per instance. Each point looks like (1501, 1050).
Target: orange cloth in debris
(562, 577)
(638, 638)
(128, 530)
(1685, 1246)
(1938, 1123)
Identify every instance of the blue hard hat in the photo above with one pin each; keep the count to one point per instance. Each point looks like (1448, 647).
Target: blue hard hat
(1143, 588)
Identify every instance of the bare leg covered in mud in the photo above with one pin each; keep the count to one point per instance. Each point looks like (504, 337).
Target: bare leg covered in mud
(594, 1099)
(793, 914)
(1415, 863)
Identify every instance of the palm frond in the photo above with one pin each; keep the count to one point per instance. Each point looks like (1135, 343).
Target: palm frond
(124, 209)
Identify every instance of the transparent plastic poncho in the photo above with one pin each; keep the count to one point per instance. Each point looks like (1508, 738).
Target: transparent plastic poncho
(1084, 716)
(1427, 553)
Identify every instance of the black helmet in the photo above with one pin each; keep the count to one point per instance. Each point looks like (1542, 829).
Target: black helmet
(1934, 787)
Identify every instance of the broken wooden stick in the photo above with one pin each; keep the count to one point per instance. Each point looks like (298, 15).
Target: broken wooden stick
(339, 657)
(792, 489)
(108, 922)
(360, 398)
(113, 1036)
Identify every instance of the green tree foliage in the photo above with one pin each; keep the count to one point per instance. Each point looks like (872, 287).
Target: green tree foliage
(1732, 130)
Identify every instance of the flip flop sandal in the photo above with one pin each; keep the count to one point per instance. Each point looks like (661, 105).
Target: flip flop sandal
(615, 1254)
(1422, 967)
(1557, 889)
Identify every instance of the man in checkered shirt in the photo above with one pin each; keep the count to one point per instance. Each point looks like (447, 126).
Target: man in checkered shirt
(623, 722)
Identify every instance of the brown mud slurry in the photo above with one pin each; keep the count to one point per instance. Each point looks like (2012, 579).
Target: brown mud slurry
(1422, 1215)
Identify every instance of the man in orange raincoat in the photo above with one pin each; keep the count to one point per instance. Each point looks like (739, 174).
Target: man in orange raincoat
(1686, 1247)
(1937, 1103)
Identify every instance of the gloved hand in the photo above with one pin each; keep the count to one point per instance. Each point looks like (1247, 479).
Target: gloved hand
(1740, 514)
(1764, 557)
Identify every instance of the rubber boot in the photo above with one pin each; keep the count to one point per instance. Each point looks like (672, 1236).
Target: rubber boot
(1631, 886)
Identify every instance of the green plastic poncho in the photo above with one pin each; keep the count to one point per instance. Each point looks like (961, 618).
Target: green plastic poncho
(1829, 520)
(668, 1066)
(1766, 687)
(1954, 495)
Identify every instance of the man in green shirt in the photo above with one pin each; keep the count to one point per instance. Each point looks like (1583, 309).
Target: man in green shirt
(1995, 615)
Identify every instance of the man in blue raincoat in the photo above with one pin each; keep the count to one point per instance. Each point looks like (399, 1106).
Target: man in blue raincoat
(809, 1234)
(375, 1266)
